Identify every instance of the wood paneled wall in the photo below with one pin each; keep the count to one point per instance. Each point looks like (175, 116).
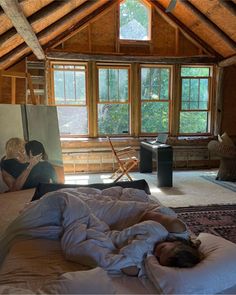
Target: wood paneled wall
(101, 36)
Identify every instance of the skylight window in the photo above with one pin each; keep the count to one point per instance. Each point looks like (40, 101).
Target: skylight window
(134, 20)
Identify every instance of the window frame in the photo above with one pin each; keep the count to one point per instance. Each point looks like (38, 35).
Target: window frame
(209, 110)
(133, 41)
(134, 99)
(52, 100)
(114, 66)
(169, 100)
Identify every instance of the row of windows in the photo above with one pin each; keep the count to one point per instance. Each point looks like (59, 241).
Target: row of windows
(122, 105)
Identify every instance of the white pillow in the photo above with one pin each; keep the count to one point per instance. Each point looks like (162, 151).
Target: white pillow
(215, 273)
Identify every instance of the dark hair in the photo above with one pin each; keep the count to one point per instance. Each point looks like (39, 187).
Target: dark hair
(185, 254)
(36, 148)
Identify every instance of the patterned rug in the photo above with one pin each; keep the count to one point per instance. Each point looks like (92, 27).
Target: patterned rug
(219, 220)
(227, 184)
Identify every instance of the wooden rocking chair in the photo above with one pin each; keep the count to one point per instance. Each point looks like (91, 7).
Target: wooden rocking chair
(126, 160)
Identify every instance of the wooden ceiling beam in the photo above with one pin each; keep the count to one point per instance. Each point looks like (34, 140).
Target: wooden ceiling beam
(60, 55)
(14, 12)
(70, 21)
(52, 31)
(39, 21)
(228, 61)
(184, 29)
(206, 21)
(28, 7)
(231, 6)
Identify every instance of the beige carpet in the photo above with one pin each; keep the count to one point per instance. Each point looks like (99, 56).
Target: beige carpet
(189, 188)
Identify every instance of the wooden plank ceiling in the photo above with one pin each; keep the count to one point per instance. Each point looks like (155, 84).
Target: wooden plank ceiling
(28, 26)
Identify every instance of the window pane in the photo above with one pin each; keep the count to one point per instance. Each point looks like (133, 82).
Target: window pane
(204, 92)
(193, 122)
(113, 85)
(194, 89)
(58, 66)
(145, 84)
(113, 118)
(59, 87)
(69, 87)
(80, 88)
(155, 117)
(72, 120)
(164, 84)
(123, 85)
(195, 94)
(185, 89)
(134, 20)
(103, 85)
(154, 83)
(195, 72)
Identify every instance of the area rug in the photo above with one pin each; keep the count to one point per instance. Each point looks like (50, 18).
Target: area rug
(219, 220)
(227, 184)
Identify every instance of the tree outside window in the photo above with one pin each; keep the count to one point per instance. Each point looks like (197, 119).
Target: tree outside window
(194, 111)
(134, 20)
(155, 100)
(113, 101)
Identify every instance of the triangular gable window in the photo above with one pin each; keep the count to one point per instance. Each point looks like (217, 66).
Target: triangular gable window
(135, 20)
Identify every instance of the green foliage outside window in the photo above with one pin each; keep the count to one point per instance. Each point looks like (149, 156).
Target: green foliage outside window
(194, 100)
(155, 117)
(193, 122)
(113, 85)
(134, 20)
(113, 119)
(113, 106)
(154, 93)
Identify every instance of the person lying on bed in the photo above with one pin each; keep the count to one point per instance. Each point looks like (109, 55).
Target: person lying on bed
(174, 251)
(91, 227)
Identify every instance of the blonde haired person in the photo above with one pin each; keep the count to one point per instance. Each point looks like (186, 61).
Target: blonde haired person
(15, 169)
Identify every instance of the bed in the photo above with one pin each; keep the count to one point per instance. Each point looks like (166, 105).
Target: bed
(36, 265)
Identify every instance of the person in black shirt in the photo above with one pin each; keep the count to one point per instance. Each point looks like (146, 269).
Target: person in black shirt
(44, 170)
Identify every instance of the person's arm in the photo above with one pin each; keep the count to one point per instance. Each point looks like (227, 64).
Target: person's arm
(15, 184)
(172, 224)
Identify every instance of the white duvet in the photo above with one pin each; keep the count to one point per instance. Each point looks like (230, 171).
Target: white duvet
(96, 228)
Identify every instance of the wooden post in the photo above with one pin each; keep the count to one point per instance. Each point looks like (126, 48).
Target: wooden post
(1, 81)
(13, 90)
(33, 98)
(219, 101)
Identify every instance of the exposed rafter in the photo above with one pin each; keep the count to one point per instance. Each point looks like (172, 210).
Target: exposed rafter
(38, 21)
(184, 28)
(228, 61)
(51, 32)
(210, 24)
(14, 12)
(231, 6)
